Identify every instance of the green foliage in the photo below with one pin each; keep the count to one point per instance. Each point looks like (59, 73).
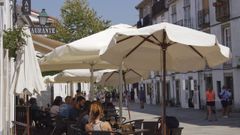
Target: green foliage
(13, 39)
(103, 88)
(50, 73)
(78, 21)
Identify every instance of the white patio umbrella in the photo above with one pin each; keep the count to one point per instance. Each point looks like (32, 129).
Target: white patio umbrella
(28, 74)
(129, 76)
(82, 53)
(165, 47)
(73, 75)
(48, 79)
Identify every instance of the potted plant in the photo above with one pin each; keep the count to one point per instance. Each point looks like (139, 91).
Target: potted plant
(13, 40)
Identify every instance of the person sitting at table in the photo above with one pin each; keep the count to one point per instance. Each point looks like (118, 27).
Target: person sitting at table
(108, 107)
(77, 109)
(65, 108)
(54, 110)
(35, 111)
(95, 124)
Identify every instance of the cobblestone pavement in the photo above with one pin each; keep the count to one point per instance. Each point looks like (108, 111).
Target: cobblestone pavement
(192, 120)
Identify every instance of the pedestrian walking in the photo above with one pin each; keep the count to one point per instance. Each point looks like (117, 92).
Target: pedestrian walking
(210, 96)
(225, 101)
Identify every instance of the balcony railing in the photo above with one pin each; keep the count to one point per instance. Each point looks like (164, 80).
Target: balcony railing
(222, 10)
(188, 23)
(159, 7)
(186, 3)
(203, 18)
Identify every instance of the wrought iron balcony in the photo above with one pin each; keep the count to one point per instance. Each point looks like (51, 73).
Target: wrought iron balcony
(186, 3)
(159, 7)
(188, 23)
(222, 10)
(203, 18)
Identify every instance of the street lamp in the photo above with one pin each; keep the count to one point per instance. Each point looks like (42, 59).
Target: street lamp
(43, 17)
(42, 28)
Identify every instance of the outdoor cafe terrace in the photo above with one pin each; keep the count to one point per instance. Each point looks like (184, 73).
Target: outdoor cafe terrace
(70, 119)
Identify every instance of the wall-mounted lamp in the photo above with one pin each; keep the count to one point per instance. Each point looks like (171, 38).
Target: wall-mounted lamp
(43, 29)
(43, 17)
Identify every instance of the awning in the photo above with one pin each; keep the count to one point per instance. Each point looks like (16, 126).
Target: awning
(43, 44)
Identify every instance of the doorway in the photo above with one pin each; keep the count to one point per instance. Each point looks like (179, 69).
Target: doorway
(177, 85)
(228, 82)
(208, 82)
(158, 92)
(168, 92)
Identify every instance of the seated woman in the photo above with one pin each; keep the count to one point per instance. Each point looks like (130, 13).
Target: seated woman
(95, 124)
(54, 110)
(108, 107)
(35, 111)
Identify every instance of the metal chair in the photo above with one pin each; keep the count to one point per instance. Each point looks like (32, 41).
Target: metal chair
(104, 133)
(75, 130)
(152, 126)
(136, 123)
(175, 131)
(23, 120)
(120, 119)
(61, 125)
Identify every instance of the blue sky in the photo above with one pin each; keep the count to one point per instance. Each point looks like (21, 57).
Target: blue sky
(117, 11)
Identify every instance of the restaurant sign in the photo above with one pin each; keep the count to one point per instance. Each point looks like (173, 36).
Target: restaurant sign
(43, 30)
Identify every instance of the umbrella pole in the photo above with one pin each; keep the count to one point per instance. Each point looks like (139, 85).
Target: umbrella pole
(91, 83)
(120, 89)
(125, 88)
(164, 131)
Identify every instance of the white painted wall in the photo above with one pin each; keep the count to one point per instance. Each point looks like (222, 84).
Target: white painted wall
(1, 70)
(60, 89)
(236, 80)
(216, 28)
(217, 75)
(212, 13)
(5, 23)
(235, 33)
(234, 8)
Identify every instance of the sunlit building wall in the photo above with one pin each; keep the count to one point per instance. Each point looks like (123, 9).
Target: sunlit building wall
(219, 17)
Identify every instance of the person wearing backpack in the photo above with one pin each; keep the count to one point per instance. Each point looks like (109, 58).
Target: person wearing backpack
(225, 99)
